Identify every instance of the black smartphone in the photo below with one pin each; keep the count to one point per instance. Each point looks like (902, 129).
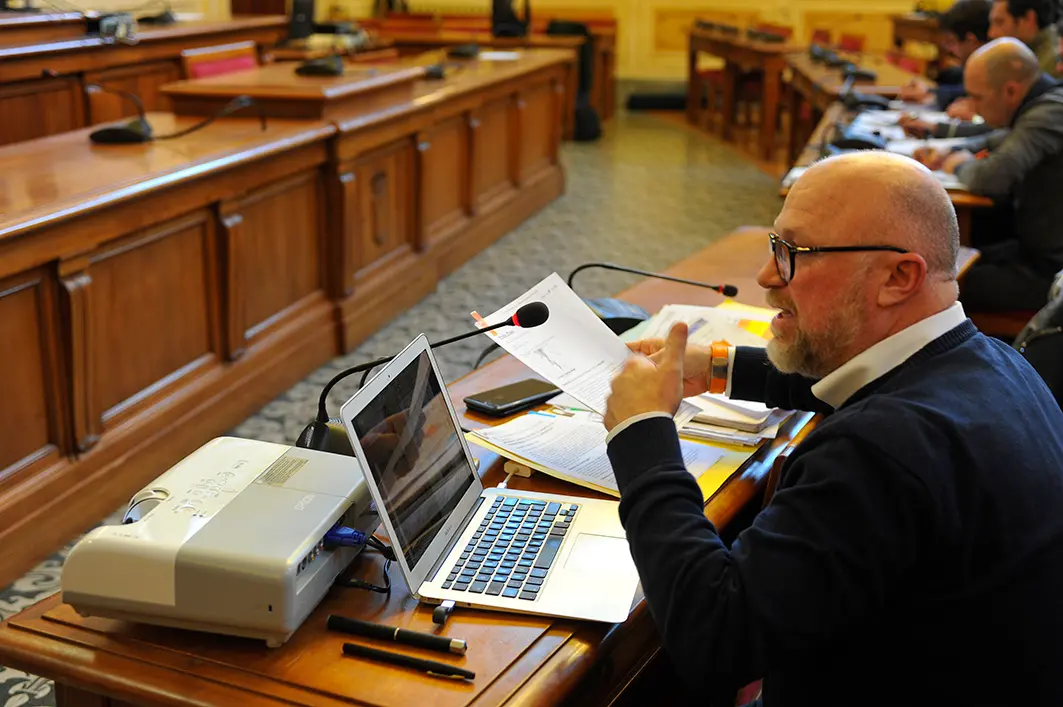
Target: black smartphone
(512, 398)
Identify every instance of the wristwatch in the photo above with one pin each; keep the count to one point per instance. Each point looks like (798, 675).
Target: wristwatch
(718, 366)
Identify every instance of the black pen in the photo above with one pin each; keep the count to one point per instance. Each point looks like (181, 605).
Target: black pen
(357, 627)
(431, 667)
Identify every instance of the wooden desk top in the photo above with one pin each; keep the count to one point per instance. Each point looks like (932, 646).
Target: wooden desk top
(918, 19)
(177, 31)
(450, 37)
(518, 659)
(714, 36)
(20, 28)
(57, 178)
(830, 80)
(285, 94)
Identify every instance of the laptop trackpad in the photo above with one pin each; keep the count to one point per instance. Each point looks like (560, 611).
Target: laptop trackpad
(598, 553)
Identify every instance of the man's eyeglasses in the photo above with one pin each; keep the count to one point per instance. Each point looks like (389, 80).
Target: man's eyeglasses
(785, 254)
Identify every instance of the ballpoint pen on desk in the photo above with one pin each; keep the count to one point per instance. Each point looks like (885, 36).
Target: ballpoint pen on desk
(357, 627)
(429, 667)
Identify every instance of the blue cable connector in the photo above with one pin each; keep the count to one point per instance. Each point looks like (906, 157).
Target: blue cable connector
(342, 536)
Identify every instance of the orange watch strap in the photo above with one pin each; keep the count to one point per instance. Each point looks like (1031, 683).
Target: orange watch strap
(718, 367)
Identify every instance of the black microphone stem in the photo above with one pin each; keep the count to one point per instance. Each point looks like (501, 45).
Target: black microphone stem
(645, 273)
(322, 411)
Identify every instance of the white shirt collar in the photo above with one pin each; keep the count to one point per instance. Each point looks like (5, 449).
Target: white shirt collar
(878, 360)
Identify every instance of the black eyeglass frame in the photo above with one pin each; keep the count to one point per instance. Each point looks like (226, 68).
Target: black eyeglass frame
(774, 239)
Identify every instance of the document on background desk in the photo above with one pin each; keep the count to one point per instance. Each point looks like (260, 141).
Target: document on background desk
(908, 146)
(573, 448)
(573, 349)
(709, 324)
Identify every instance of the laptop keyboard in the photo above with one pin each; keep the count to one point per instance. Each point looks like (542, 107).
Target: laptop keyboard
(513, 549)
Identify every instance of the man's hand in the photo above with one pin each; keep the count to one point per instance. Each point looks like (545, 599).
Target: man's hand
(932, 158)
(914, 126)
(696, 363)
(962, 109)
(916, 91)
(649, 384)
(953, 161)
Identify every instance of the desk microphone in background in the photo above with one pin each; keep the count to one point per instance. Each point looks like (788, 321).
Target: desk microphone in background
(138, 130)
(327, 435)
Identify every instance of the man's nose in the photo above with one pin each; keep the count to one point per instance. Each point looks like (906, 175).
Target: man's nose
(768, 277)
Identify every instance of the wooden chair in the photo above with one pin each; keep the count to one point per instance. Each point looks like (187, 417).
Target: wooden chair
(821, 37)
(1004, 325)
(852, 43)
(218, 60)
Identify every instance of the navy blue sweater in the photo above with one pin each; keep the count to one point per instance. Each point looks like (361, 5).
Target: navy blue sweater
(912, 553)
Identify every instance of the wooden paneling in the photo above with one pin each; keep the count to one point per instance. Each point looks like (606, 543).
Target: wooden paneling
(671, 25)
(538, 127)
(443, 168)
(383, 190)
(143, 80)
(274, 245)
(32, 109)
(153, 308)
(495, 155)
(31, 415)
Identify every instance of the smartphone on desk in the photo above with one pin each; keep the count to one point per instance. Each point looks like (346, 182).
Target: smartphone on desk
(512, 398)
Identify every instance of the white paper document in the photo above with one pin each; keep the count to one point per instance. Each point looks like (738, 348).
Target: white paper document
(705, 325)
(573, 349)
(574, 448)
(910, 145)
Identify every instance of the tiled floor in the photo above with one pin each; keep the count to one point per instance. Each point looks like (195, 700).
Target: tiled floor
(649, 193)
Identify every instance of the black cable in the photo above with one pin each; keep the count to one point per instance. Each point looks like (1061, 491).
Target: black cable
(389, 556)
(238, 103)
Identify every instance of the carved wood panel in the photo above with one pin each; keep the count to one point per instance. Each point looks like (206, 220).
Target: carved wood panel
(31, 416)
(272, 241)
(150, 313)
(143, 80)
(32, 109)
(382, 189)
(443, 169)
(538, 128)
(494, 151)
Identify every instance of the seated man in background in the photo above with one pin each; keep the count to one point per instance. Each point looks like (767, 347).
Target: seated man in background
(913, 552)
(1033, 23)
(1023, 165)
(964, 28)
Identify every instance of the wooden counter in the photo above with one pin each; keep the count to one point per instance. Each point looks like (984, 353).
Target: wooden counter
(155, 295)
(518, 659)
(36, 27)
(42, 85)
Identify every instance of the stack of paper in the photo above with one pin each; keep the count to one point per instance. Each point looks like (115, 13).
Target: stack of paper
(573, 448)
(734, 421)
(709, 324)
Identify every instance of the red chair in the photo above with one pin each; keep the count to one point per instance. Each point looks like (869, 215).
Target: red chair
(852, 43)
(821, 37)
(222, 59)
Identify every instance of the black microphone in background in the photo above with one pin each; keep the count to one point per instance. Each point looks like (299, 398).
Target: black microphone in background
(327, 435)
(139, 129)
(725, 290)
(619, 315)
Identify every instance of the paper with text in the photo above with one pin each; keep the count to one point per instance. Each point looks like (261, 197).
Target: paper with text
(573, 349)
(574, 449)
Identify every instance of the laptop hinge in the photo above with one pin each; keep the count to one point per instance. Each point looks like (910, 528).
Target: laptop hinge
(454, 541)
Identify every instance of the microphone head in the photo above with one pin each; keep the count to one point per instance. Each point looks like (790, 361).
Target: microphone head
(729, 291)
(531, 315)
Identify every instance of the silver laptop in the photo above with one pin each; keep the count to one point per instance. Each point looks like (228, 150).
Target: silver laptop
(489, 548)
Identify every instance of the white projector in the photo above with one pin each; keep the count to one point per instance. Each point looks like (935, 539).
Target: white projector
(230, 541)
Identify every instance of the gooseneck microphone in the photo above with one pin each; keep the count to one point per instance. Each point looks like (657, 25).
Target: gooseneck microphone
(327, 436)
(725, 290)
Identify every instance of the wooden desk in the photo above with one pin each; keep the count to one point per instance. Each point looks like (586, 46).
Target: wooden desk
(155, 295)
(964, 202)
(413, 35)
(518, 660)
(17, 28)
(820, 86)
(740, 54)
(42, 85)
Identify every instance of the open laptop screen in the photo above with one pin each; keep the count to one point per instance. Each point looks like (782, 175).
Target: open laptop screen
(415, 455)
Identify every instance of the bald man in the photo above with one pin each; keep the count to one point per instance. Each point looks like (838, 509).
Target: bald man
(1023, 167)
(913, 552)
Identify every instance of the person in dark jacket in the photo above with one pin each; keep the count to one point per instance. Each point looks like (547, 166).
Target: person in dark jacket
(1022, 165)
(963, 29)
(912, 553)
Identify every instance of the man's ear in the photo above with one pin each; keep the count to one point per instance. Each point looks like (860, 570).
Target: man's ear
(902, 280)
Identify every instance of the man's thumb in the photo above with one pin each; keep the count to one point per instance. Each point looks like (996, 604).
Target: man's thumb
(676, 346)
